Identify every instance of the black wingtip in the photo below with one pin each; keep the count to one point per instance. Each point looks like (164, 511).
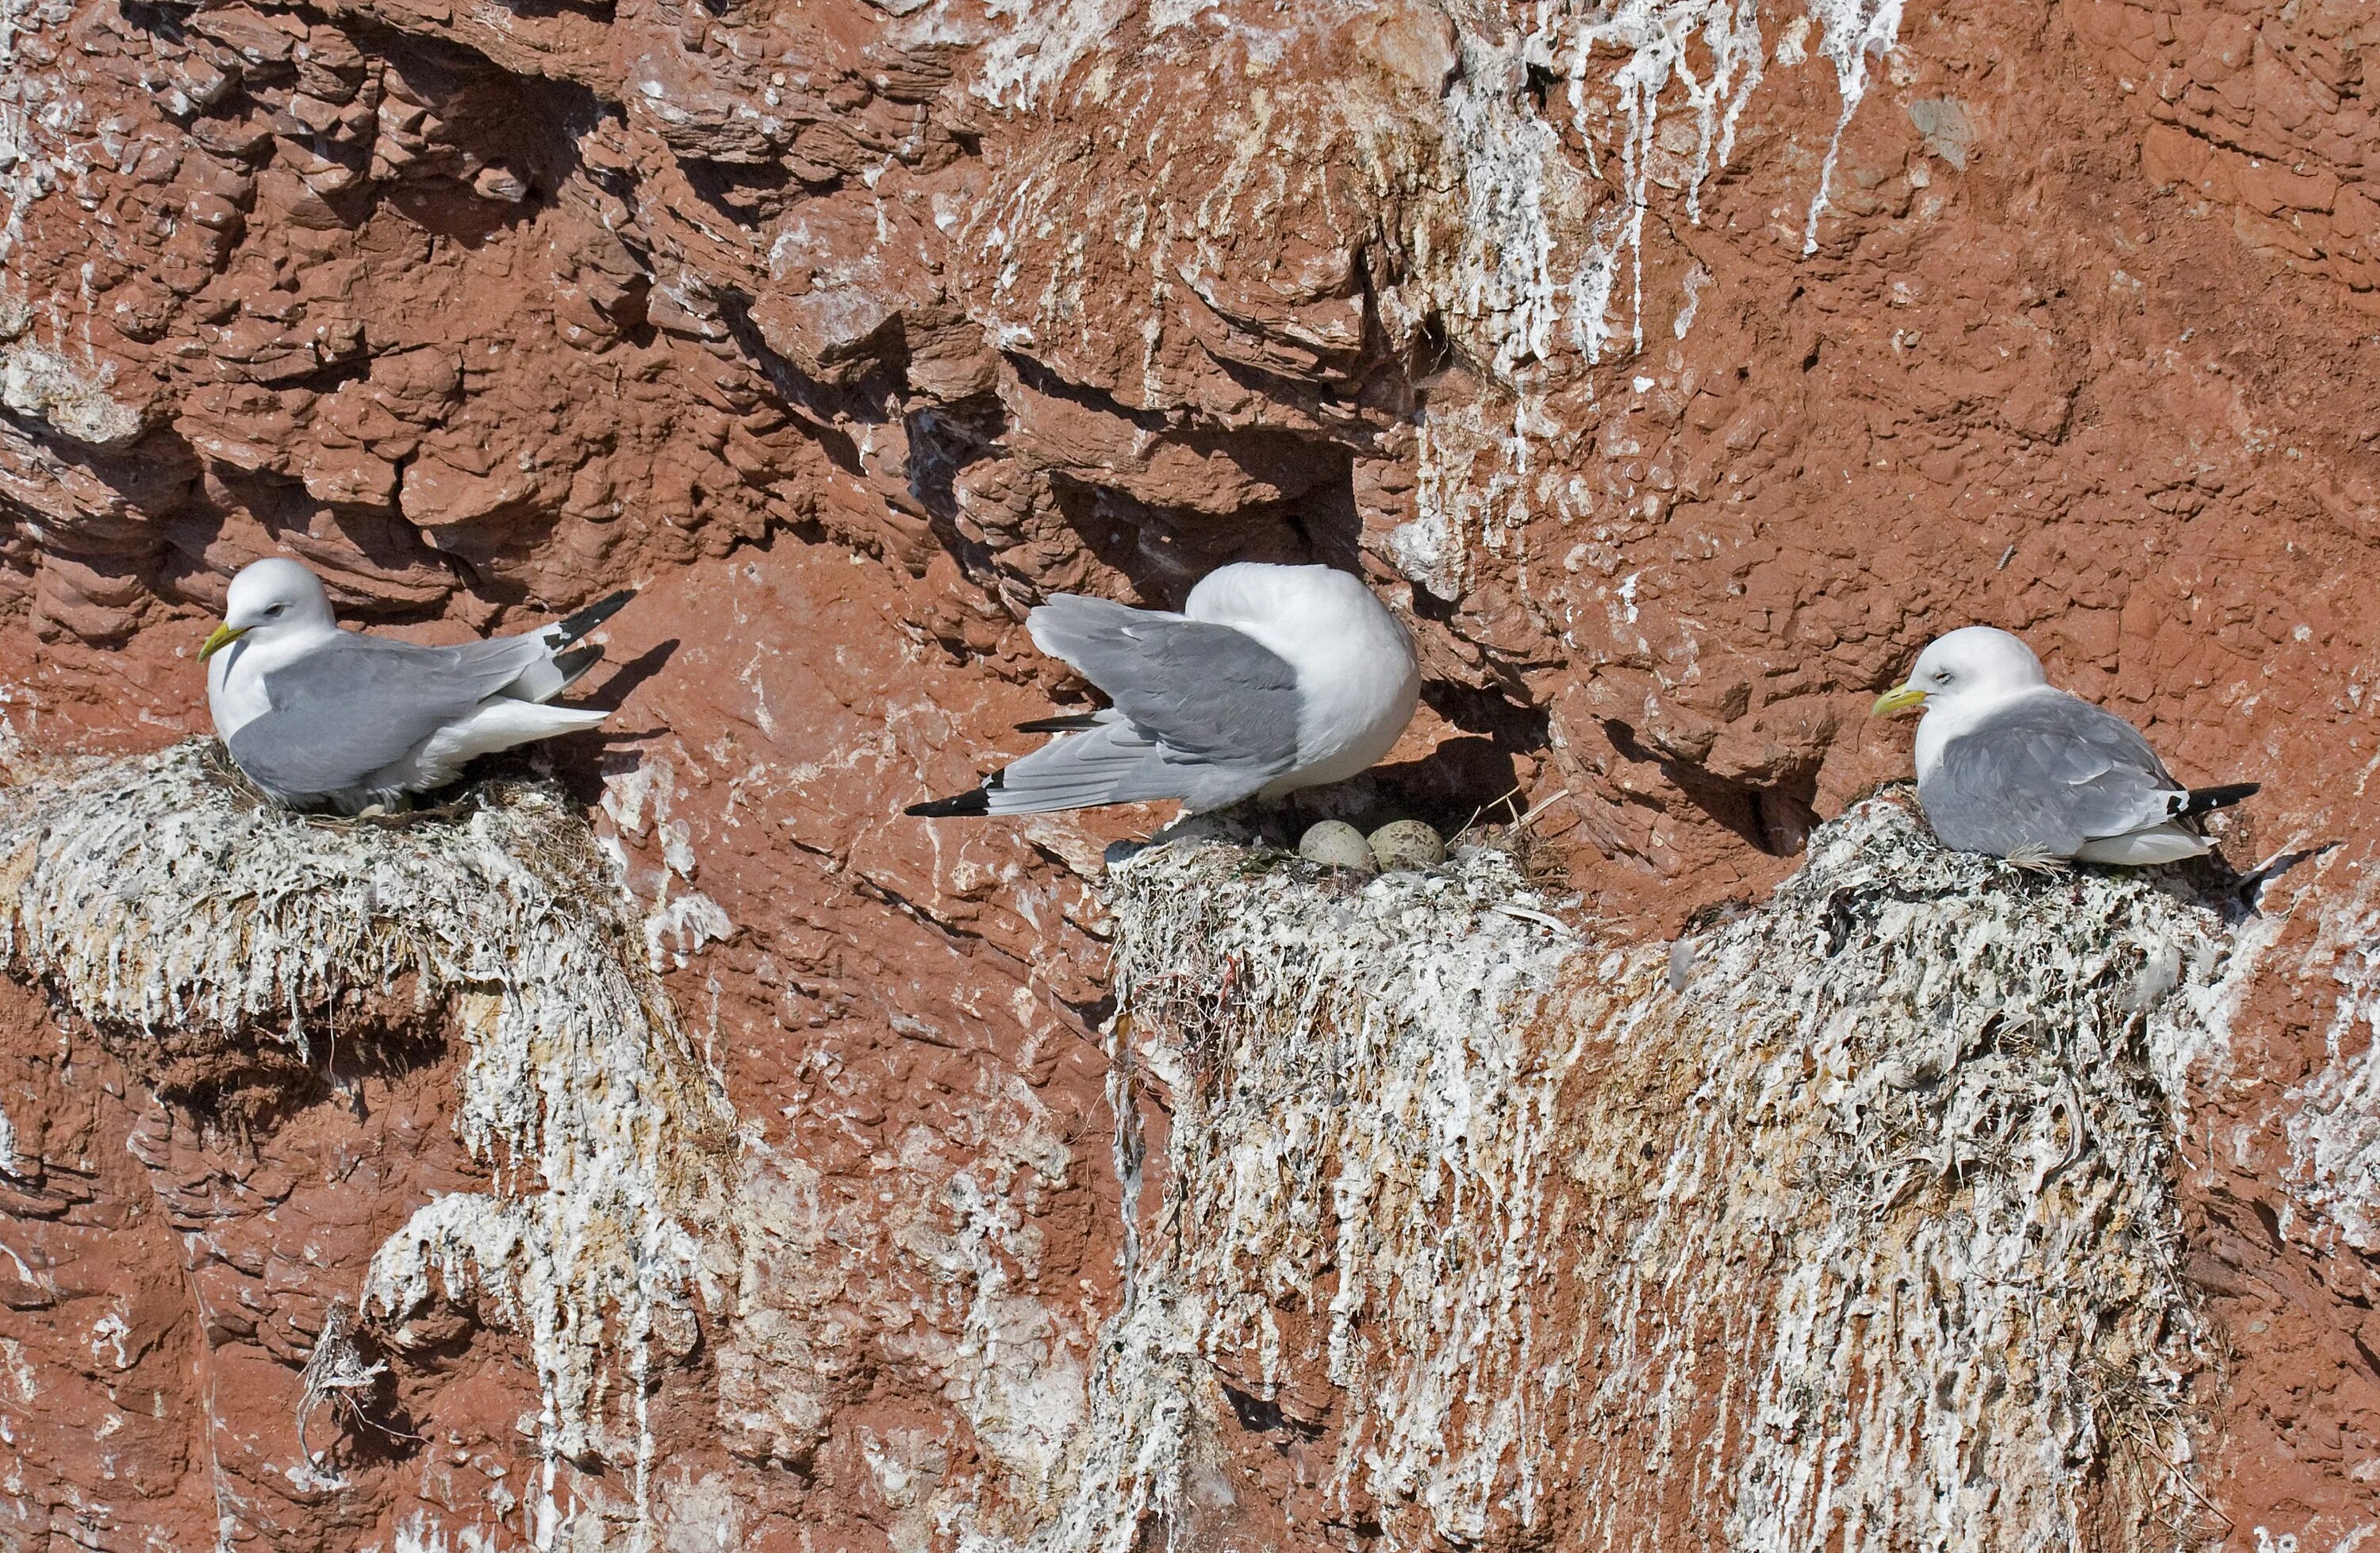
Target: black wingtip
(576, 626)
(975, 800)
(2203, 800)
(576, 662)
(1076, 723)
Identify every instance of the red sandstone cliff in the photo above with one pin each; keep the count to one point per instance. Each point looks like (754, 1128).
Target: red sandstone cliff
(1676, 368)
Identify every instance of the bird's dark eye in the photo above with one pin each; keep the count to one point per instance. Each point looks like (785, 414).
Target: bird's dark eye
(1941, 676)
(276, 609)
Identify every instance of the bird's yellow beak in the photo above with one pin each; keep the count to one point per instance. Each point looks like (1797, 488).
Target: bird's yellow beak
(1899, 698)
(224, 637)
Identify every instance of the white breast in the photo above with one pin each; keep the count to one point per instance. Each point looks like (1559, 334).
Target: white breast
(235, 693)
(1357, 694)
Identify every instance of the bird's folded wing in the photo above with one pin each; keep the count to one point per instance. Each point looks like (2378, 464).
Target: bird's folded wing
(2051, 771)
(534, 675)
(509, 655)
(360, 702)
(1205, 693)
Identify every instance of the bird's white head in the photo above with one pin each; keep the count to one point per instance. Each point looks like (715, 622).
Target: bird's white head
(270, 599)
(1972, 666)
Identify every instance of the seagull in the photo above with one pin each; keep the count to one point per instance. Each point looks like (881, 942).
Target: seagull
(2009, 765)
(1271, 679)
(315, 715)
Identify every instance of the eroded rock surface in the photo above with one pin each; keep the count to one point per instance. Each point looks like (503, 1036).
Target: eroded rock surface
(1675, 368)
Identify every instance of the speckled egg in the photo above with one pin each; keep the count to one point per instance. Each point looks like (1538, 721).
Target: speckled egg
(1337, 844)
(1406, 844)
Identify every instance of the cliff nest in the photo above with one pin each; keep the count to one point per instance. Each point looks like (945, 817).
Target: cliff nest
(1850, 1221)
(227, 941)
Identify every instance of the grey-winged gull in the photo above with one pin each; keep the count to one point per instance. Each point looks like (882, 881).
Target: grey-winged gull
(314, 714)
(2011, 765)
(1271, 679)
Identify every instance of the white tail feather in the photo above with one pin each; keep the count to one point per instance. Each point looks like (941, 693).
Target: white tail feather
(2165, 843)
(500, 723)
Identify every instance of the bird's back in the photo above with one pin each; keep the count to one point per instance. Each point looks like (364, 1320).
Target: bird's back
(1357, 679)
(2043, 771)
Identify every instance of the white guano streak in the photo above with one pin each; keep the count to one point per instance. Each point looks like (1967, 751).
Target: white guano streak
(1871, 1208)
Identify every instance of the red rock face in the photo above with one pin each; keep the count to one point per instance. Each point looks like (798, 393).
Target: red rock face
(1675, 374)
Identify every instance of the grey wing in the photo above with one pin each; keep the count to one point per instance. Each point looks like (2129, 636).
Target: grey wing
(530, 655)
(1113, 761)
(2050, 773)
(359, 703)
(1204, 693)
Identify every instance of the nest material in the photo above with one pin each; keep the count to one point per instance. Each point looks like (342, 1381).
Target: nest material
(1850, 1222)
(163, 904)
(337, 1376)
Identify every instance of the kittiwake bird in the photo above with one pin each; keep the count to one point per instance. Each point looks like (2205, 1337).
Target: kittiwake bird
(1271, 679)
(2011, 765)
(316, 715)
